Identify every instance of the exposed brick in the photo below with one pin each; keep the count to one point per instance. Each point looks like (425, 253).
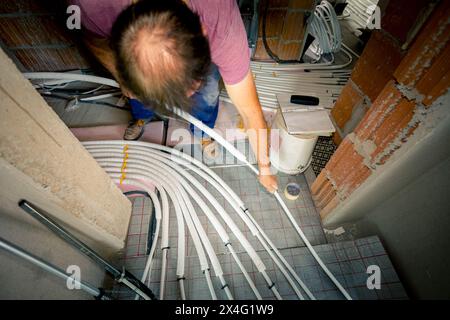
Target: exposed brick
(356, 179)
(440, 89)
(294, 26)
(376, 65)
(349, 98)
(436, 80)
(393, 124)
(400, 17)
(349, 170)
(9, 6)
(326, 197)
(382, 160)
(274, 23)
(302, 4)
(430, 42)
(346, 146)
(51, 59)
(337, 139)
(319, 183)
(388, 99)
(261, 53)
(34, 30)
(276, 3)
(289, 51)
(389, 115)
(323, 191)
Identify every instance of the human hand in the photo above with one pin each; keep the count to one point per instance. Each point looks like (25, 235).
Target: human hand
(268, 180)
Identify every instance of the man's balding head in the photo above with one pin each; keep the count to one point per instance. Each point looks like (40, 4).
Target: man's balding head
(160, 50)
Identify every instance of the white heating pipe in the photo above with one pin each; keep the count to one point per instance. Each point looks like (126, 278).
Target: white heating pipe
(221, 186)
(157, 161)
(215, 136)
(158, 216)
(221, 231)
(115, 172)
(252, 225)
(164, 237)
(273, 66)
(236, 205)
(144, 165)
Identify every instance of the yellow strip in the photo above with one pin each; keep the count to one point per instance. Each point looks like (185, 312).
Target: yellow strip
(124, 164)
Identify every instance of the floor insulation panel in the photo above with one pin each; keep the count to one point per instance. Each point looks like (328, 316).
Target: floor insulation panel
(347, 260)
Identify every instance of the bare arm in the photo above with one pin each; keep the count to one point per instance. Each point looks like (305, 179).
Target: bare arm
(101, 50)
(245, 98)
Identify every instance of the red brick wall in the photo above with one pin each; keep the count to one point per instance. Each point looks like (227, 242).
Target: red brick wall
(380, 58)
(285, 28)
(401, 86)
(33, 35)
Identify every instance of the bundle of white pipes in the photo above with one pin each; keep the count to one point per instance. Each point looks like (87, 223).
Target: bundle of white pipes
(321, 80)
(144, 165)
(360, 11)
(164, 168)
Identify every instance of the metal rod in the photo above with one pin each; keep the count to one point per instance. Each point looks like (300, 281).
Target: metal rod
(121, 276)
(11, 248)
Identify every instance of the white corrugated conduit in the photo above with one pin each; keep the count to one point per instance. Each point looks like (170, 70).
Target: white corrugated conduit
(325, 28)
(146, 166)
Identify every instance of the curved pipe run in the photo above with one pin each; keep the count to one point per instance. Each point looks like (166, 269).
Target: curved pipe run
(219, 139)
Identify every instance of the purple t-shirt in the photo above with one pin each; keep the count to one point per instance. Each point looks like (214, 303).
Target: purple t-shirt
(221, 19)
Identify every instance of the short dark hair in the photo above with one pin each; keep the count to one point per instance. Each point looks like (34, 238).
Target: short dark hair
(160, 51)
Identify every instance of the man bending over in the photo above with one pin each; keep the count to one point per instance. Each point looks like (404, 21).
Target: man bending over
(173, 52)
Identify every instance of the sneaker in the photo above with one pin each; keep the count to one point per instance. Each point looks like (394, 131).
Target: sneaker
(135, 130)
(210, 148)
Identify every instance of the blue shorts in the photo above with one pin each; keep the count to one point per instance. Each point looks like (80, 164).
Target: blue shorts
(205, 103)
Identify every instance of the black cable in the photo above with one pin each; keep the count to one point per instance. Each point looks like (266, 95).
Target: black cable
(152, 225)
(264, 38)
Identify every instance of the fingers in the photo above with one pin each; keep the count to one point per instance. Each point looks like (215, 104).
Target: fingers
(269, 182)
